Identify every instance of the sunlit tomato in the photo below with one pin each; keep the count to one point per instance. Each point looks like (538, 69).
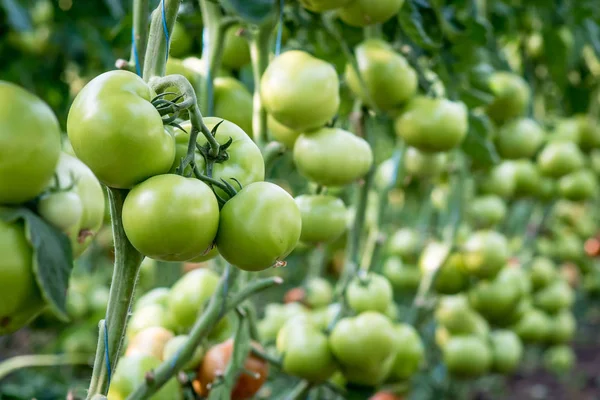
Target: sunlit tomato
(259, 226)
(403, 277)
(589, 132)
(215, 364)
(368, 12)
(554, 297)
(388, 78)
(370, 293)
(282, 133)
(117, 132)
(519, 138)
(424, 165)
(559, 158)
(485, 253)
(467, 356)
(151, 341)
(189, 295)
(332, 156)
(432, 124)
(323, 5)
(181, 41)
(404, 243)
(507, 351)
(559, 359)
(486, 211)
(29, 144)
(578, 185)
(323, 218)
(512, 96)
(501, 180)
(236, 51)
(233, 102)
(562, 328)
(542, 272)
(533, 326)
(300, 91)
(174, 346)
(410, 352)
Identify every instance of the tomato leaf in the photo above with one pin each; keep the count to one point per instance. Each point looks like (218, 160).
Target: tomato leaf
(254, 11)
(52, 258)
(413, 26)
(477, 145)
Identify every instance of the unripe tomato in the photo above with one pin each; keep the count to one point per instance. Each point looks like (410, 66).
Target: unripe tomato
(309, 95)
(451, 278)
(236, 51)
(149, 316)
(323, 218)
(589, 132)
(507, 351)
(519, 138)
(369, 12)
(404, 243)
(368, 375)
(487, 211)
(566, 130)
(542, 272)
(562, 328)
(181, 42)
(455, 314)
(176, 66)
(485, 253)
(305, 350)
(410, 352)
(424, 165)
(527, 178)
(403, 277)
(501, 180)
(189, 295)
(282, 133)
(259, 226)
(559, 359)
(150, 341)
(174, 346)
(215, 363)
(495, 300)
(432, 124)
(533, 326)
(319, 292)
(332, 156)
(63, 209)
(131, 372)
(157, 296)
(276, 316)
(388, 78)
(117, 132)
(171, 218)
(323, 5)
(370, 293)
(577, 186)
(29, 144)
(79, 341)
(324, 316)
(233, 102)
(467, 356)
(560, 158)
(515, 275)
(512, 96)
(554, 297)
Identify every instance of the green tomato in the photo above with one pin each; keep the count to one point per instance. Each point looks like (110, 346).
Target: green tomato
(520, 138)
(319, 292)
(189, 295)
(150, 341)
(485, 253)
(507, 351)
(403, 277)
(527, 178)
(233, 102)
(424, 165)
(501, 180)
(332, 156)
(171, 218)
(388, 78)
(236, 51)
(533, 327)
(157, 296)
(282, 133)
(181, 41)
(515, 275)
(410, 352)
(131, 372)
(117, 132)
(432, 124)
(276, 316)
(555, 297)
(369, 12)
(467, 356)
(29, 144)
(451, 277)
(487, 211)
(323, 5)
(61, 209)
(404, 243)
(173, 348)
(495, 300)
(456, 315)
(305, 350)
(323, 218)
(309, 95)
(79, 341)
(589, 132)
(577, 186)
(562, 327)
(542, 272)
(259, 227)
(559, 359)
(560, 158)
(368, 375)
(176, 66)
(149, 316)
(566, 130)
(511, 96)
(369, 293)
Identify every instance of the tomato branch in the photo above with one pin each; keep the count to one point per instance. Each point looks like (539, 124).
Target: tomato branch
(156, 53)
(140, 33)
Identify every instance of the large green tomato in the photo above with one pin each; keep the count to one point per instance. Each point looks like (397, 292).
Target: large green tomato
(236, 51)
(189, 295)
(233, 102)
(181, 41)
(323, 5)
(157, 296)
(259, 227)
(485, 253)
(370, 293)
(404, 243)
(562, 328)
(501, 180)
(507, 351)
(367, 342)
(410, 352)
(282, 133)
(542, 272)
(432, 124)
(117, 132)
(171, 218)
(589, 132)
(305, 350)
(559, 158)
(369, 12)
(424, 165)
(527, 178)
(451, 277)
(533, 327)
(511, 96)
(61, 209)
(323, 218)
(29, 144)
(559, 359)
(332, 156)
(467, 356)
(487, 211)
(131, 372)
(403, 277)
(300, 91)
(388, 78)
(519, 138)
(579, 185)
(554, 297)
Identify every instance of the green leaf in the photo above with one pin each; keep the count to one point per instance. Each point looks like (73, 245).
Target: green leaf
(52, 259)
(477, 145)
(17, 15)
(254, 11)
(413, 26)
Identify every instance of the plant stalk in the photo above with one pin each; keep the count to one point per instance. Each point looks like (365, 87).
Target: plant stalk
(155, 62)
(140, 33)
(212, 49)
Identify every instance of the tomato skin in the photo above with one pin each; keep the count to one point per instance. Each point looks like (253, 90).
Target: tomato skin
(404, 243)
(233, 102)
(527, 179)
(282, 133)
(276, 315)
(259, 226)
(501, 180)
(451, 277)
(332, 156)
(410, 352)
(306, 351)
(559, 359)
(319, 293)
(308, 99)
(424, 165)
(577, 186)
(151, 341)
(519, 138)
(157, 296)
(171, 218)
(559, 158)
(589, 132)
(487, 211)
(542, 272)
(323, 218)
(495, 300)
(432, 124)
(467, 356)
(181, 42)
(323, 5)
(507, 351)
(29, 144)
(215, 363)
(371, 293)
(454, 313)
(533, 326)
(236, 51)
(189, 295)
(149, 316)
(361, 13)
(61, 209)
(115, 130)
(554, 297)
(512, 96)
(563, 327)
(389, 79)
(403, 277)
(485, 253)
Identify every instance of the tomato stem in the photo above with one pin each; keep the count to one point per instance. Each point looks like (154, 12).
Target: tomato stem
(140, 33)
(155, 62)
